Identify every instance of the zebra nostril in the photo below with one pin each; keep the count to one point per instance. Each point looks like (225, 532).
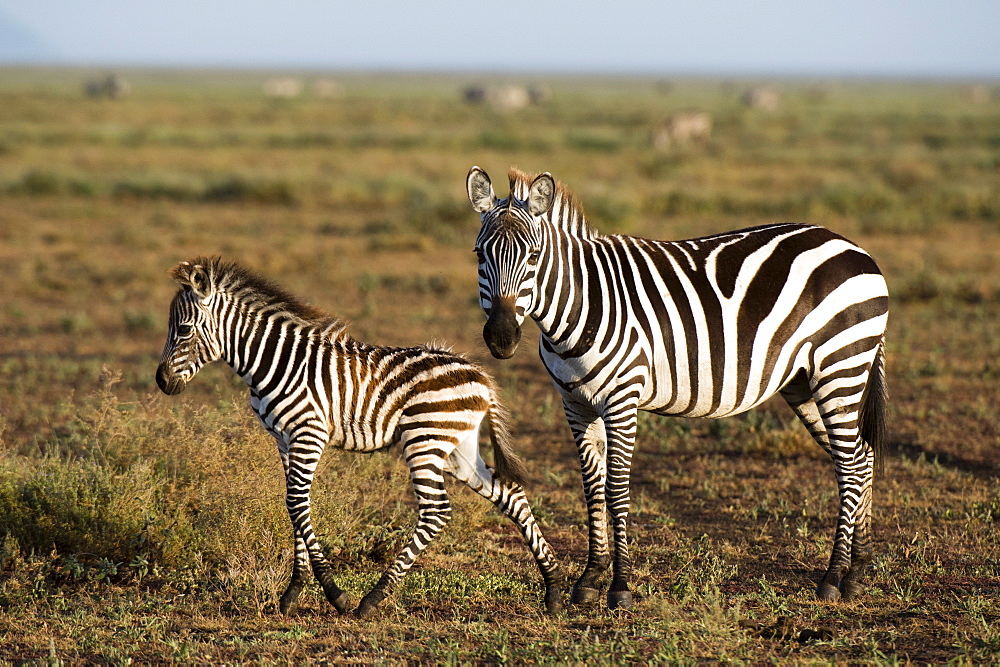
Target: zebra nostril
(168, 384)
(161, 377)
(501, 332)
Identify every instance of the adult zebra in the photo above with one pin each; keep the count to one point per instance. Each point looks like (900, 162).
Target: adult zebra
(707, 327)
(313, 385)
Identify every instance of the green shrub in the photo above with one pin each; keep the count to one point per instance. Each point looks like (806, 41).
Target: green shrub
(595, 140)
(155, 188)
(139, 487)
(80, 507)
(39, 182)
(238, 188)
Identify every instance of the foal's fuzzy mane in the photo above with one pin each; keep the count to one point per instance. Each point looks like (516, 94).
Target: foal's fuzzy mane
(257, 291)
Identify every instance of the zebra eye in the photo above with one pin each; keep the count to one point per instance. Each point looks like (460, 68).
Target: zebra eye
(533, 256)
(184, 329)
(480, 256)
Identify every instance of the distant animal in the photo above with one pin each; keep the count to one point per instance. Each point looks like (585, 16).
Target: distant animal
(112, 86)
(504, 97)
(283, 87)
(508, 98)
(539, 94)
(474, 94)
(682, 128)
(764, 98)
(312, 385)
(977, 94)
(707, 327)
(327, 88)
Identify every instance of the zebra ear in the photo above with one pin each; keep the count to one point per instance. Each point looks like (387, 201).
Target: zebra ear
(480, 190)
(201, 285)
(541, 194)
(194, 277)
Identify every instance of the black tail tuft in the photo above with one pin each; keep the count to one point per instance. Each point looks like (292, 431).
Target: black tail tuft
(874, 416)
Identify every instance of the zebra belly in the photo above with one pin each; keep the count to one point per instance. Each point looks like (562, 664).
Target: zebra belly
(693, 394)
(702, 393)
(672, 410)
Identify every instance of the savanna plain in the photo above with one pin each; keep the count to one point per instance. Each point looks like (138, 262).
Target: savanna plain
(140, 527)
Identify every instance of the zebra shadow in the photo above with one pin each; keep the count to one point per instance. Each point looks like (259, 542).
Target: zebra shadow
(905, 445)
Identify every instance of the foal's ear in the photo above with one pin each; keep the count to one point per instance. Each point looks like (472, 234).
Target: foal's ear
(480, 190)
(195, 277)
(541, 194)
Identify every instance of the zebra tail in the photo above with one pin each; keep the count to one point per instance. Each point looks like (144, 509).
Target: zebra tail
(508, 465)
(873, 416)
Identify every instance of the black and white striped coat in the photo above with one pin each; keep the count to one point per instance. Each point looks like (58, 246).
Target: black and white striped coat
(707, 327)
(313, 385)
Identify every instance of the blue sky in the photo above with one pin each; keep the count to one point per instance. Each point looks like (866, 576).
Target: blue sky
(872, 37)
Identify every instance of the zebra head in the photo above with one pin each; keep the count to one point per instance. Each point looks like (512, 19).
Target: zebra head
(191, 337)
(509, 247)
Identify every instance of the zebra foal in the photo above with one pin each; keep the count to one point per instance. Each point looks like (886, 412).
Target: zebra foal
(312, 385)
(707, 327)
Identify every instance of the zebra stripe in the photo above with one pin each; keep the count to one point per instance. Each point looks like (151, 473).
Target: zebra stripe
(707, 327)
(312, 385)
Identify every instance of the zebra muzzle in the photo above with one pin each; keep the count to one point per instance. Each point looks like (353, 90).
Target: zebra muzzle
(501, 331)
(168, 383)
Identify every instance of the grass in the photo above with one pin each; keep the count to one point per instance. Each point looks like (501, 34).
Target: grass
(140, 527)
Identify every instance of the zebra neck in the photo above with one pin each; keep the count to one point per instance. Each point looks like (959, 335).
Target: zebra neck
(260, 346)
(570, 301)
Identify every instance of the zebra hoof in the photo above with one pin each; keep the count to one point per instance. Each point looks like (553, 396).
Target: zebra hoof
(364, 609)
(369, 603)
(850, 589)
(553, 604)
(827, 592)
(339, 600)
(584, 595)
(289, 600)
(619, 599)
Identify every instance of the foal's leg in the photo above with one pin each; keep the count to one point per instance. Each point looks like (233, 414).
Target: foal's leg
(466, 465)
(300, 566)
(426, 463)
(303, 456)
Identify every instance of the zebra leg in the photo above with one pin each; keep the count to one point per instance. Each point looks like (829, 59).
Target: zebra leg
(300, 567)
(853, 462)
(861, 548)
(433, 514)
(834, 426)
(466, 465)
(798, 395)
(588, 432)
(620, 422)
(302, 460)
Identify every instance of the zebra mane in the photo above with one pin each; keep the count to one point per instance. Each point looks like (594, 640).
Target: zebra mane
(257, 292)
(566, 213)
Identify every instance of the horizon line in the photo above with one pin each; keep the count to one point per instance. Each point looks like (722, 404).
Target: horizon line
(555, 72)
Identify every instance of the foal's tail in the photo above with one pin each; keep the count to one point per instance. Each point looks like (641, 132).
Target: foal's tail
(873, 416)
(508, 466)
